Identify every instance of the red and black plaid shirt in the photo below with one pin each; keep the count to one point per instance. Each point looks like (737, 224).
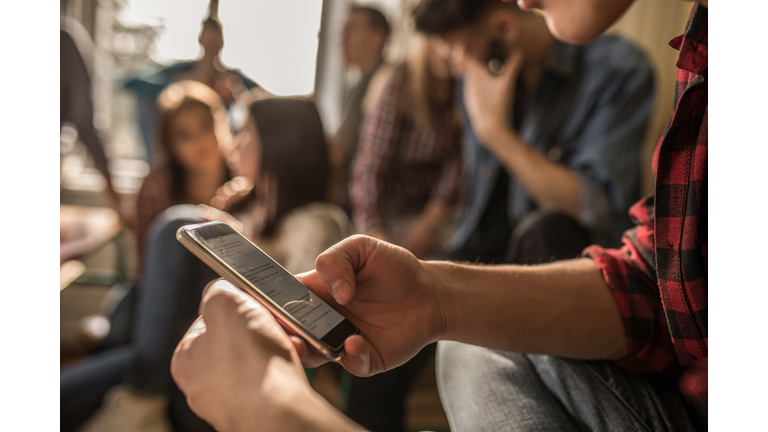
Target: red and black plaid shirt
(659, 276)
(396, 159)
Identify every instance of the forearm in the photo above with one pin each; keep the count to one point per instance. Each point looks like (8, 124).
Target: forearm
(551, 186)
(563, 309)
(302, 409)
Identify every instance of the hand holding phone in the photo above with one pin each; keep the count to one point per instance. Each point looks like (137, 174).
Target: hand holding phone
(247, 267)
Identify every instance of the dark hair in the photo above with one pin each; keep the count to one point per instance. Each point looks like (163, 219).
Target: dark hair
(294, 155)
(437, 17)
(376, 19)
(175, 98)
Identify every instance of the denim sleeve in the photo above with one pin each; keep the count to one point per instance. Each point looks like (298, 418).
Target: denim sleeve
(607, 162)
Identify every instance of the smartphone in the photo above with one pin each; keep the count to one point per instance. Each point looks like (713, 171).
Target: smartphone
(497, 56)
(243, 264)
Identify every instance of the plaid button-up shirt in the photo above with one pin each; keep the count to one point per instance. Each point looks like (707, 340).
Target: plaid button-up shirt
(659, 277)
(397, 159)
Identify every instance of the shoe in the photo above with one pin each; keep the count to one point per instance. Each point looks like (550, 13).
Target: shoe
(125, 411)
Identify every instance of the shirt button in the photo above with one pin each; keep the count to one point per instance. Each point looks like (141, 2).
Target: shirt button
(554, 154)
(486, 172)
(472, 213)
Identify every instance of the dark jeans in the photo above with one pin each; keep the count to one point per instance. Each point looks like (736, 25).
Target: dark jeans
(168, 302)
(378, 402)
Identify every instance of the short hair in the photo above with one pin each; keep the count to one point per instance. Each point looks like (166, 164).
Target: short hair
(376, 19)
(436, 17)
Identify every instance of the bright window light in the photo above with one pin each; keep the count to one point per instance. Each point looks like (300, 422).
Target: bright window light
(272, 42)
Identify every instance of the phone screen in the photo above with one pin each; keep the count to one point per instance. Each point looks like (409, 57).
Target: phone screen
(271, 279)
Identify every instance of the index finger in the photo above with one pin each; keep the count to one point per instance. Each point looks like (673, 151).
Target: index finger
(338, 265)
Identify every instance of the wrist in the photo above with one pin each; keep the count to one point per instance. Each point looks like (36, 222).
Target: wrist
(502, 136)
(297, 407)
(444, 292)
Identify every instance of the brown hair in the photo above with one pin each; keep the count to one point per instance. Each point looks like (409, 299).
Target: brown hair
(294, 159)
(419, 81)
(174, 99)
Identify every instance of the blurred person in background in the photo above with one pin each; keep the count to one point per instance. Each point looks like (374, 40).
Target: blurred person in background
(563, 170)
(407, 169)
(364, 37)
(75, 102)
(280, 164)
(230, 84)
(405, 181)
(621, 334)
(194, 142)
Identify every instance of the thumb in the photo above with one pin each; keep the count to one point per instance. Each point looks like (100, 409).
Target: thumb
(337, 266)
(357, 357)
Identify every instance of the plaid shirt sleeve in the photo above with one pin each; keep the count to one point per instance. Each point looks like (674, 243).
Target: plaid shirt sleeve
(630, 273)
(659, 277)
(381, 131)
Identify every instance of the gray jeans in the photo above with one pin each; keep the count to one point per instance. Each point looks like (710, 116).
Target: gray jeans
(487, 390)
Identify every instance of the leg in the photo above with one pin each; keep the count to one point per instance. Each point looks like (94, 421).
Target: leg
(170, 294)
(168, 300)
(486, 390)
(378, 402)
(483, 389)
(604, 397)
(84, 384)
(168, 304)
(546, 236)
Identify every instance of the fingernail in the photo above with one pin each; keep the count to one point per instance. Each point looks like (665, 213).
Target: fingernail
(336, 291)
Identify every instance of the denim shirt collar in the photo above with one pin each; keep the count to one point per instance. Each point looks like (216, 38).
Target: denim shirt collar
(562, 59)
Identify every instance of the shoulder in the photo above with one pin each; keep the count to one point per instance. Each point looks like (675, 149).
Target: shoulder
(156, 183)
(247, 81)
(617, 53)
(380, 80)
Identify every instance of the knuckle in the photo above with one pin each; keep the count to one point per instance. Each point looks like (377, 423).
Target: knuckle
(219, 303)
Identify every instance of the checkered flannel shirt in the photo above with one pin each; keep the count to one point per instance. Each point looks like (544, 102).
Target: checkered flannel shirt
(659, 277)
(397, 159)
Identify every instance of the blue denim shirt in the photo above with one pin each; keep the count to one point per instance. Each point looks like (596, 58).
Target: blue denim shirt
(589, 111)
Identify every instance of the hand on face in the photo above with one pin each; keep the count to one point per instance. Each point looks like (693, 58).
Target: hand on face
(236, 362)
(387, 293)
(488, 98)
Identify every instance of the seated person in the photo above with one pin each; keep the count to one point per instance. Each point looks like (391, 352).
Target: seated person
(562, 170)
(75, 103)
(230, 84)
(363, 40)
(282, 152)
(406, 172)
(194, 142)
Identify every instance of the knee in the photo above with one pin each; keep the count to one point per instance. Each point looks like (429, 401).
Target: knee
(173, 218)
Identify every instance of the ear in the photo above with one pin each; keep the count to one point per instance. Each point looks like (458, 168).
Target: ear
(504, 25)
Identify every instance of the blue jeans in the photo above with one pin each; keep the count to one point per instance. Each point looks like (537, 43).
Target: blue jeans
(168, 302)
(488, 390)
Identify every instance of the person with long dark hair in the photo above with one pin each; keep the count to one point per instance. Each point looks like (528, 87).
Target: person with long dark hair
(280, 163)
